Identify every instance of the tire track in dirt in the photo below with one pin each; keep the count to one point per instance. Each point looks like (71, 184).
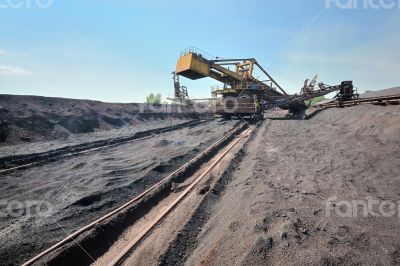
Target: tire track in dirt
(15, 162)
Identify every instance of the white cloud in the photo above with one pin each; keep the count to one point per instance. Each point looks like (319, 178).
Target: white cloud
(13, 71)
(11, 53)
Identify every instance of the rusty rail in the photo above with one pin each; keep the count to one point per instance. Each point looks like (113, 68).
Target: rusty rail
(174, 204)
(391, 99)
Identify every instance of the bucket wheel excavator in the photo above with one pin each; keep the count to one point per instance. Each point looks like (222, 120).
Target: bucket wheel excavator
(242, 94)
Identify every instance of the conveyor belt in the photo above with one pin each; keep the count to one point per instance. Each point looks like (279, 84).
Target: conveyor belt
(285, 102)
(383, 100)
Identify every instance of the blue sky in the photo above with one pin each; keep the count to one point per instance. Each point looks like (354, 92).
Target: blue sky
(120, 51)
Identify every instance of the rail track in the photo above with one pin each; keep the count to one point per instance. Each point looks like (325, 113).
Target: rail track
(188, 175)
(383, 100)
(16, 162)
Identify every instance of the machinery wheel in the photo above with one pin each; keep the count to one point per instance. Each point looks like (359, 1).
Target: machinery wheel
(257, 117)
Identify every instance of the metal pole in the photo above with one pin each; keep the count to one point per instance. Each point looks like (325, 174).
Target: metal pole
(266, 73)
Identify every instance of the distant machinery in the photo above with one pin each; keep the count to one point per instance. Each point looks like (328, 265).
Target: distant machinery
(309, 87)
(180, 92)
(347, 92)
(181, 97)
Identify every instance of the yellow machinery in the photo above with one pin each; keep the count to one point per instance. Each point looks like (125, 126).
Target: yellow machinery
(241, 94)
(244, 95)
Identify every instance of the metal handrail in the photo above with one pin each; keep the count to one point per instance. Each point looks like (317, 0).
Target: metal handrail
(193, 49)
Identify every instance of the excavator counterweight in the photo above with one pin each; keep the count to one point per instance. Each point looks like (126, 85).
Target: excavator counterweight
(192, 66)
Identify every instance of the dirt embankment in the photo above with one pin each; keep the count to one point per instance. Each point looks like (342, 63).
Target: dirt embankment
(272, 209)
(378, 93)
(25, 119)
